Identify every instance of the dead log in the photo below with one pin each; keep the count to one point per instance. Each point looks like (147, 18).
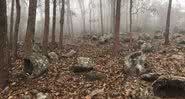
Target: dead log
(169, 86)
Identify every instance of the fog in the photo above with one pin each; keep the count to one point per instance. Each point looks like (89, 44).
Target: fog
(148, 16)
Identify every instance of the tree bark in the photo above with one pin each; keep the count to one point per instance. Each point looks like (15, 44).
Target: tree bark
(18, 8)
(62, 23)
(12, 23)
(90, 16)
(54, 21)
(167, 30)
(131, 6)
(113, 4)
(46, 26)
(82, 8)
(30, 31)
(3, 45)
(101, 17)
(117, 28)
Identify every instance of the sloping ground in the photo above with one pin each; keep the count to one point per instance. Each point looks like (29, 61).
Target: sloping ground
(60, 83)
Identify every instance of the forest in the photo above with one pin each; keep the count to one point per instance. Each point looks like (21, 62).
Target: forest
(92, 49)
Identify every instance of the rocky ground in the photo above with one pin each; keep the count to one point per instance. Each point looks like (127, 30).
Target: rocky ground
(60, 82)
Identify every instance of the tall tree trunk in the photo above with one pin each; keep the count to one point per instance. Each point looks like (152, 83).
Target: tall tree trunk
(30, 31)
(131, 6)
(117, 28)
(68, 19)
(127, 15)
(101, 17)
(82, 8)
(62, 23)
(12, 23)
(167, 30)
(18, 9)
(46, 26)
(54, 21)
(3, 45)
(113, 4)
(71, 19)
(90, 16)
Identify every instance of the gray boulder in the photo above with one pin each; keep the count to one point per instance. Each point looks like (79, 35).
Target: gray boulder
(146, 47)
(41, 95)
(150, 77)
(135, 63)
(169, 86)
(92, 76)
(180, 40)
(36, 64)
(53, 56)
(105, 38)
(84, 64)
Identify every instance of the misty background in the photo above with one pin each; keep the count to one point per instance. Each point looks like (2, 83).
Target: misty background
(148, 16)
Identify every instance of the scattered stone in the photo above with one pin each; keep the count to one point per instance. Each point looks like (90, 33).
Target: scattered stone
(146, 47)
(150, 77)
(180, 40)
(117, 94)
(158, 36)
(94, 37)
(144, 37)
(135, 63)
(26, 97)
(178, 57)
(85, 64)
(105, 38)
(169, 86)
(92, 76)
(41, 95)
(70, 53)
(34, 91)
(93, 93)
(53, 56)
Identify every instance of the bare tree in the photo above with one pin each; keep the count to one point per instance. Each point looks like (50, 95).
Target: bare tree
(117, 28)
(167, 30)
(69, 18)
(18, 14)
(82, 8)
(101, 17)
(112, 23)
(3, 45)
(12, 23)
(131, 6)
(54, 21)
(30, 31)
(46, 26)
(90, 16)
(62, 12)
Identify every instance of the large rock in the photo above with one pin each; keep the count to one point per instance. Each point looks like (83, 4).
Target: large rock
(36, 64)
(135, 63)
(70, 53)
(53, 56)
(146, 47)
(169, 86)
(41, 95)
(150, 77)
(105, 38)
(84, 64)
(144, 37)
(180, 40)
(92, 76)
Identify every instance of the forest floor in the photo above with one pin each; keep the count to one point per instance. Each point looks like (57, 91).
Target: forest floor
(61, 83)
